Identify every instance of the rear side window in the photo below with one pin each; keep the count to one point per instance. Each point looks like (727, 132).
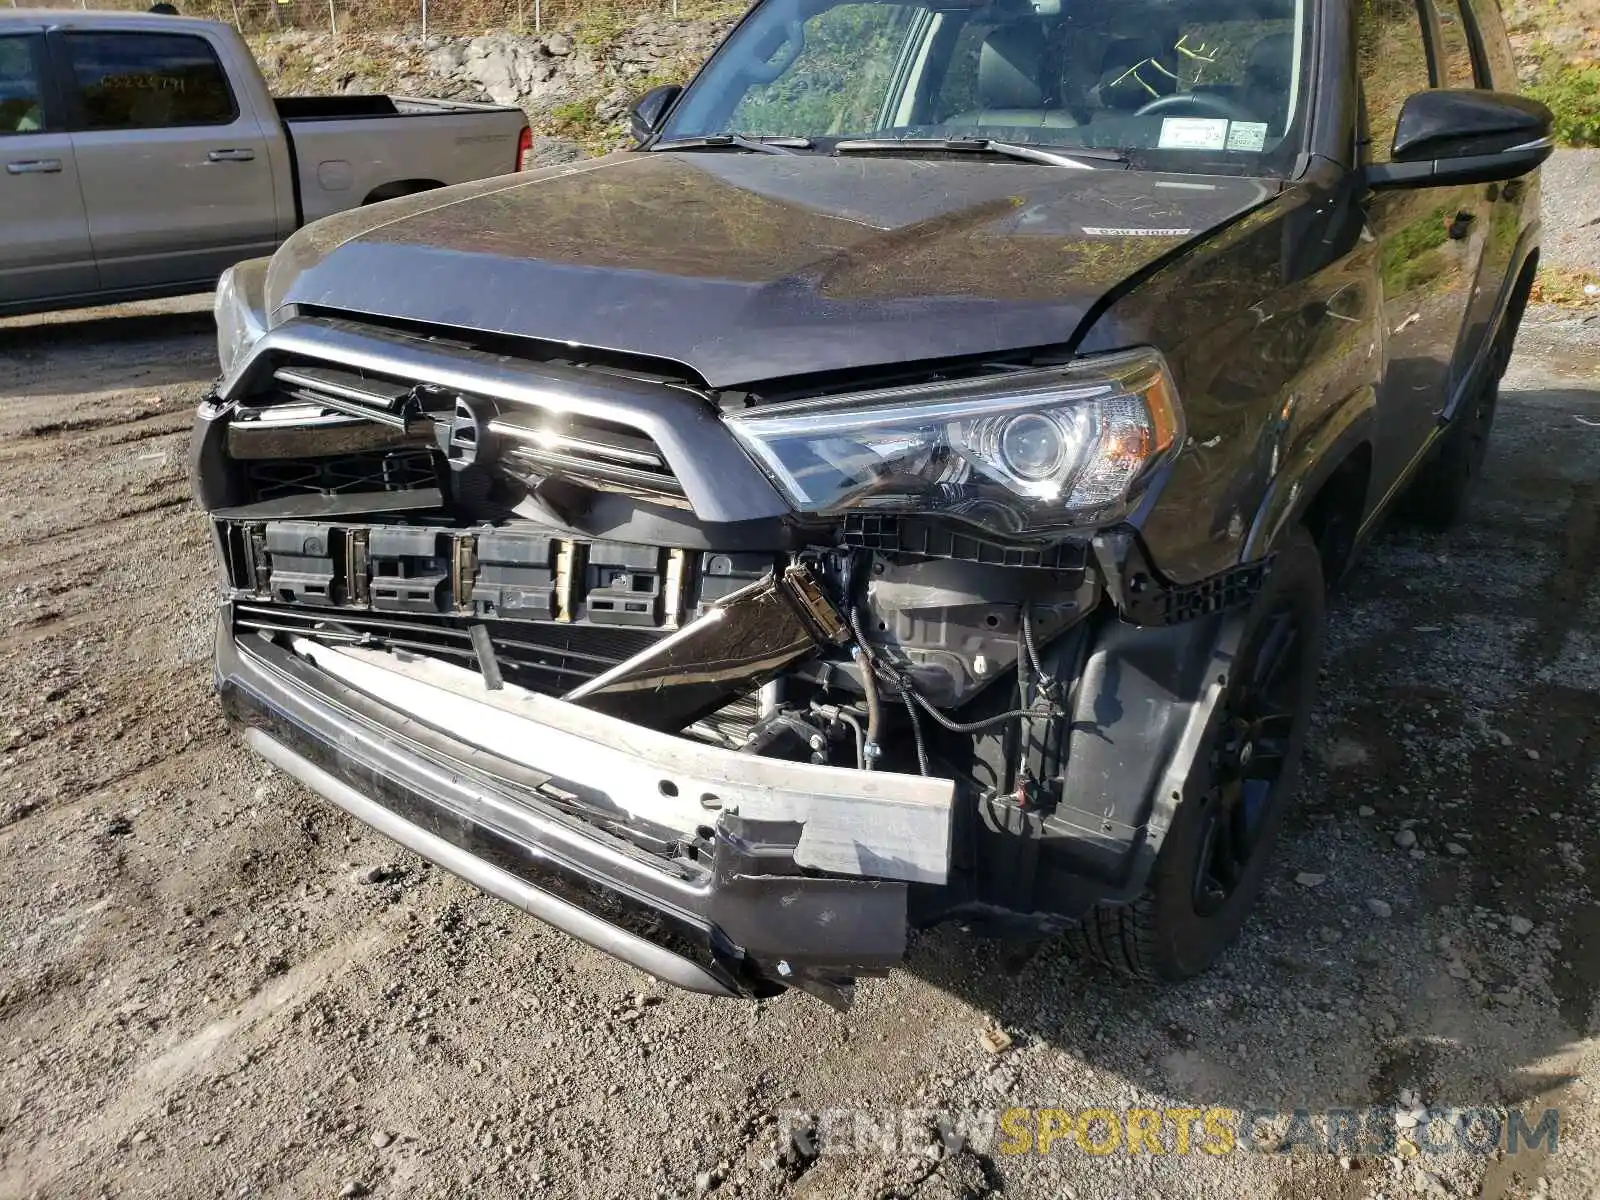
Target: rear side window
(1393, 61)
(21, 85)
(148, 81)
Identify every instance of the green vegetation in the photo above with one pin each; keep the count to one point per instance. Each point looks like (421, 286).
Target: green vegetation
(1410, 258)
(838, 78)
(1571, 91)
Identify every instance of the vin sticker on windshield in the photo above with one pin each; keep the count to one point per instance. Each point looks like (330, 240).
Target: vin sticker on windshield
(1194, 133)
(1247, 135)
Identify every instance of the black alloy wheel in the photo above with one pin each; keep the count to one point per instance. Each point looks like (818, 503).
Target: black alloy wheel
(1249, 756)
(1240, 785)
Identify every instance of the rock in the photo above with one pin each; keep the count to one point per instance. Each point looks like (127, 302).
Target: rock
(1405, 839)
(1533, 754)
(351, 1189)
(381, 1139)
(1344, 753)
(369, 875)
(558, 44)
(1457, 969)
(550, 151)
(995, 1041)
(493, 65)
(705, 1182)
(1380, 908)
(447, 59)
(1455, 849)
(1508, 997)
(1366, 810)
(1521, 926)
(139, 1138)
(1310, 879)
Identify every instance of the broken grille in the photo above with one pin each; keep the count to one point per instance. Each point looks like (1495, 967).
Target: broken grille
(551, 659)
(398, 470)
(532, 442)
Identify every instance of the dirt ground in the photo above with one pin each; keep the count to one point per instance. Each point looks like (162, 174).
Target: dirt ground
(213, 984)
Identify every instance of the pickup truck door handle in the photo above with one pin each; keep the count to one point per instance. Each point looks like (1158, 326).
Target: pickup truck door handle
(34, 166)
(231, 156)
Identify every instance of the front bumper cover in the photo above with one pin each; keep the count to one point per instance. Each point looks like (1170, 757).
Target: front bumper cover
(749, 917)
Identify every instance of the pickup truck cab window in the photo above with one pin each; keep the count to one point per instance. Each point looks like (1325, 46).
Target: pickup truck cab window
(148, 81)
(1188, 85)
(22, 106)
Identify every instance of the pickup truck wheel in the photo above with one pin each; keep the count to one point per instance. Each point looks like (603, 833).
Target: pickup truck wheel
(1437, 497)
(1213, 856)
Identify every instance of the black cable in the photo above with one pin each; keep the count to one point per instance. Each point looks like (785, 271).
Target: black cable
(1028, 645)
(904, 686)
(1016, 714)
(1043, 684)
(916, 731)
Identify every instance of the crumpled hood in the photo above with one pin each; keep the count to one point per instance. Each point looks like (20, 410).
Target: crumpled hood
(744, 267)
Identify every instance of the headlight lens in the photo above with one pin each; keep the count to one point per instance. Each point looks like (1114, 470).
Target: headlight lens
(1025, 452)
(240, 311)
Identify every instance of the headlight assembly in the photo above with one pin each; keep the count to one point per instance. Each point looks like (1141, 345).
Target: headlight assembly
(240, 310)
(1022, 453)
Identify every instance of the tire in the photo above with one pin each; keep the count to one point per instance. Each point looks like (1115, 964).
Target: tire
(1180, 926)
(1437, 497)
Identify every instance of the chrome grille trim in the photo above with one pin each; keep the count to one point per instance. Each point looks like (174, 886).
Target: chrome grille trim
(715, 476)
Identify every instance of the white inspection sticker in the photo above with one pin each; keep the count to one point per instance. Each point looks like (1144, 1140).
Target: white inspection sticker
(1247, 135)
(1194, 133)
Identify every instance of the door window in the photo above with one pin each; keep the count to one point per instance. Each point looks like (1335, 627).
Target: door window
(1457, 51)
(1497, 53)
(21, 86)
(1393, 60)
(148, 81)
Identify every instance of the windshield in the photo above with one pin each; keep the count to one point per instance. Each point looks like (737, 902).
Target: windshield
(1181, 81)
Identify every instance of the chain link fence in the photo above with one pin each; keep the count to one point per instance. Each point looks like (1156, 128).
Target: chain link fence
(421, 17)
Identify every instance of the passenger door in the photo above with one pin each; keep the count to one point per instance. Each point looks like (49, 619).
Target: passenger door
(44, 231)
(1461, 65)
(176, 178)
(1429, 242)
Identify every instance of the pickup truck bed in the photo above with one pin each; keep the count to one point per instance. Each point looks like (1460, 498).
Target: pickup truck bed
(144, 155)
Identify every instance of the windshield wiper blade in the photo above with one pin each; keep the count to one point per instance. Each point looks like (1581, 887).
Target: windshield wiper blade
(737, 141)
(1074, 158)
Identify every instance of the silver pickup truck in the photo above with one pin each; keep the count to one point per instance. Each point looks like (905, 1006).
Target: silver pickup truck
(144, 155)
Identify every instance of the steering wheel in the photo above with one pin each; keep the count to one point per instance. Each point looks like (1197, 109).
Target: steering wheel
(1204, 104)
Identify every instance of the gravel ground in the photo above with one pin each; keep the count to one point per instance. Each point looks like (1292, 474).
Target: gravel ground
(1572, 227)
(215, 984)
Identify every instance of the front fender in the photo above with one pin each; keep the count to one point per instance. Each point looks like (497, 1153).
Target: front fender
(1309, 464)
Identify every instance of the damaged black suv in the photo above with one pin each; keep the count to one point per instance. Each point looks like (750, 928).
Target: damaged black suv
(901, 489)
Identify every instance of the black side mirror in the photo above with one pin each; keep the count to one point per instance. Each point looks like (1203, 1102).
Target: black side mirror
(646, 115)
(1445, 138)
